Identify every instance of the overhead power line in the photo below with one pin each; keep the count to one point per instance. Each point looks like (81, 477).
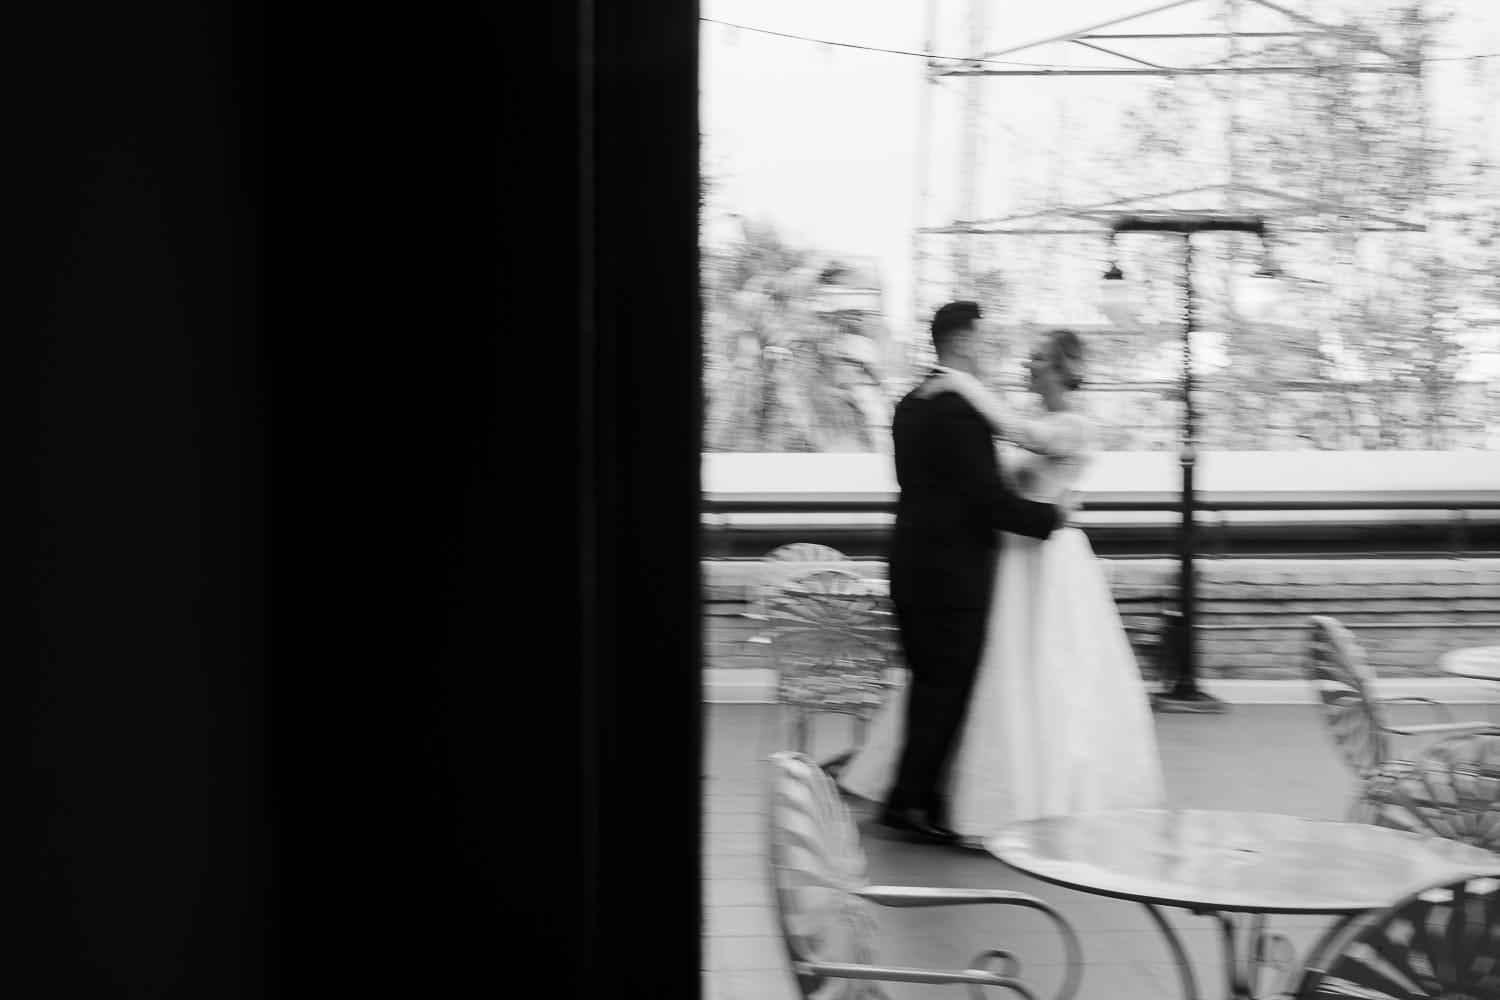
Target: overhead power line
(831, 43)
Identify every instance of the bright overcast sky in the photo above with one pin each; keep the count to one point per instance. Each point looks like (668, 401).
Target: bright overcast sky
(823, 141)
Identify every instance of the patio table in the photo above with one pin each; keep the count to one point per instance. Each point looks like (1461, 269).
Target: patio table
(1236, 869)
(1480, 663)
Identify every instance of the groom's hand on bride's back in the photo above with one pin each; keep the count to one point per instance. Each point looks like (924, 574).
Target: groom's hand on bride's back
(1068, 506)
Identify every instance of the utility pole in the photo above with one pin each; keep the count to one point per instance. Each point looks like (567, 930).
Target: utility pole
(1232, 118)
(923, 157)
(970, 154)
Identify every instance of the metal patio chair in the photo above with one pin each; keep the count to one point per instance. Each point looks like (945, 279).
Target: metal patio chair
(805, 552)
(1441, 943)
(832, 644)
(1151, 633)
(1360, 723)
(783, 565)
(826, 905)
(1150, 618)
(1453, 793)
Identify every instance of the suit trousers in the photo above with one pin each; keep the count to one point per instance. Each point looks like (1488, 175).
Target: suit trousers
(943, 647)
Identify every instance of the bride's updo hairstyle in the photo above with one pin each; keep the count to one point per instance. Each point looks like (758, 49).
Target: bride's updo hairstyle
(1063, 350)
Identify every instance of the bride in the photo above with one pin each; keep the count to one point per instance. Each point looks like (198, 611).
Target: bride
(1059, 721)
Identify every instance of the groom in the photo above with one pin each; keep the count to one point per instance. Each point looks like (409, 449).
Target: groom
(952, 508)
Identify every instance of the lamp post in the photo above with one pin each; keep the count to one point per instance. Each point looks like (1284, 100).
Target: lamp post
(1182, 692)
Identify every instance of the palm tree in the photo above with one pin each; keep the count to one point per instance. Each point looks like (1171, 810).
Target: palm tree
(789, 367)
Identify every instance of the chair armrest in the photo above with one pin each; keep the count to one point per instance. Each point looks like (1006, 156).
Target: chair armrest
(891, 974)
(1438, 707)
(1455, 728)
(911, 896)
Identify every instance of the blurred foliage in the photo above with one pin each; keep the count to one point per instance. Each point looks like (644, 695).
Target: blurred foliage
(1364, 353)
(784, 374)
(1377, 320)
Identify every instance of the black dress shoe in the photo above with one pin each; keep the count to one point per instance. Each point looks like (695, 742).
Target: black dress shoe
(916, 823)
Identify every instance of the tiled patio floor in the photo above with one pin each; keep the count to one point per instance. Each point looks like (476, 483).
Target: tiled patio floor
(1258, 758)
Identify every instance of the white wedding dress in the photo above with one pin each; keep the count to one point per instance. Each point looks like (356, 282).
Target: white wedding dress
(1059, 721)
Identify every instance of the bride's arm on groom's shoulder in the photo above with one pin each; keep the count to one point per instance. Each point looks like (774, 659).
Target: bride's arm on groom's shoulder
(1037, 436)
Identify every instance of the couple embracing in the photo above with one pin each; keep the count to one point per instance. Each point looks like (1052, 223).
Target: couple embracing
(1024, 698)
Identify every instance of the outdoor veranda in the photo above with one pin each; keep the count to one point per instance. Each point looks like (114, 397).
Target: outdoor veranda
(1281, 552)
(816, 613)
(1258, 758)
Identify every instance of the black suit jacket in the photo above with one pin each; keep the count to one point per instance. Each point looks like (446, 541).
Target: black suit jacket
(953, 505)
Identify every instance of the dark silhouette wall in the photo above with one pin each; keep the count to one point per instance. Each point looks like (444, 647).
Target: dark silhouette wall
(136, 699)
(294, 427)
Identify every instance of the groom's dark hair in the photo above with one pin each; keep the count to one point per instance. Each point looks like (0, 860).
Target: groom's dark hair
(951, 319)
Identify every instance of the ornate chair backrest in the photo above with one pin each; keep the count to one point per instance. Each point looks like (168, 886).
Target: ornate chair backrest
(1442, 943)
(805, 552)
(832, 641)
(1453, 792)
(1336, 665)
(817, 870)
(790, 562)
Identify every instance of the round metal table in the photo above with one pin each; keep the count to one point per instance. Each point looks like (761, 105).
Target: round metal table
(1237, 869)
(1481, 663)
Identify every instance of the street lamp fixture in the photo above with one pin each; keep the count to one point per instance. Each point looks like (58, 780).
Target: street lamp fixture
(1259, 294)
(1117, 297)
(1259, 298)
(1256, 296)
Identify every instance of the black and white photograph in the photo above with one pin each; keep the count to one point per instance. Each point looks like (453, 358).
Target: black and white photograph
(752, 500)
(1101, 499)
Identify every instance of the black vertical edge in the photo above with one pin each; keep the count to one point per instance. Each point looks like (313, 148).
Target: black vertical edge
(414, 303)
(646, 439)
(133, 690)
(484, 489)
(294, 297)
